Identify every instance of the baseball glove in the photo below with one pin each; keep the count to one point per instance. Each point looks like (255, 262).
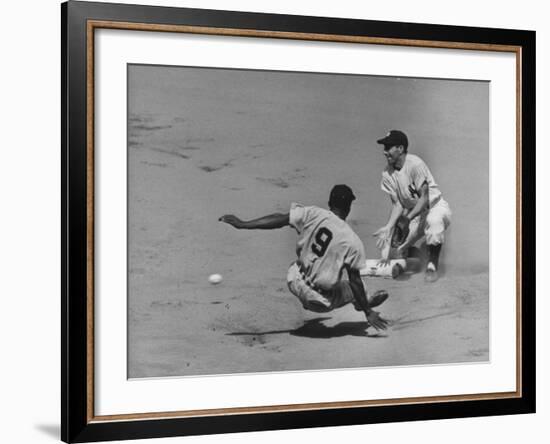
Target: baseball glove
(400, 232)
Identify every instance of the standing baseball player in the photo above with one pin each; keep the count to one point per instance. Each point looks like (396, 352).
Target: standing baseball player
(326, 247)
(418, 208)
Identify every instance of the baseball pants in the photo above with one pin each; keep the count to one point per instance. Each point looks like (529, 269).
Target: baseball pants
(318, 301)
(431, 224)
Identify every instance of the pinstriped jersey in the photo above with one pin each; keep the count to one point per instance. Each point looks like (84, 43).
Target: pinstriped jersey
(404, 184)
(326, 245)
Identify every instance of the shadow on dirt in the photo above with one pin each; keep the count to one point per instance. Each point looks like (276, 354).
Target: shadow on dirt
(314, 328)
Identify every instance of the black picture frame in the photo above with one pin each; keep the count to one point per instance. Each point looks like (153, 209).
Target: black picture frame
(78, 423)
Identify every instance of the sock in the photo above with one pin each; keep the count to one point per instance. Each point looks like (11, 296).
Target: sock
(433, 254)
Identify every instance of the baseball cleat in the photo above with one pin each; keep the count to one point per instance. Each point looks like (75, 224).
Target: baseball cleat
(378, 298)
(431, 274)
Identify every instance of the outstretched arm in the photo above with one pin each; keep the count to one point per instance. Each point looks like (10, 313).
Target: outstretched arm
(383, 234)
(269, 222)
(373, 317)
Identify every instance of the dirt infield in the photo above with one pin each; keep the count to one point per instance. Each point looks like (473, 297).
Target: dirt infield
(202, 143)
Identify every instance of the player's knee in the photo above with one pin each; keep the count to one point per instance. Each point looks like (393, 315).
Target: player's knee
(435, 238)
(435, 224)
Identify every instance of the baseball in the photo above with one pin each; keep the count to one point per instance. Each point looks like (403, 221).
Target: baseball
(215, 278)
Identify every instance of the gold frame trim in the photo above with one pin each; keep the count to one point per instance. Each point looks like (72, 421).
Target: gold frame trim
(92, 25)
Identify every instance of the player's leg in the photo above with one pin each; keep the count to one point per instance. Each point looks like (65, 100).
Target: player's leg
(342, 294)
(437, 221)
(310, 299)
(416, 232)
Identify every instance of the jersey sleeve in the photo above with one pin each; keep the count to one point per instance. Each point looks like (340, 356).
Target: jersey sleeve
(356, 257)
(420, 174)
(297, 216)
(387, 187)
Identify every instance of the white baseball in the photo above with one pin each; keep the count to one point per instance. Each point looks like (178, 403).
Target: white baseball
(215, 278)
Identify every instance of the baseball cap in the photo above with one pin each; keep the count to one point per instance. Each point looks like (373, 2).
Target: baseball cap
(394, 137)
(341, 193)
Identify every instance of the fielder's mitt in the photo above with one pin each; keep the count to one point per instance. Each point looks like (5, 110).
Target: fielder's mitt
(400, 232)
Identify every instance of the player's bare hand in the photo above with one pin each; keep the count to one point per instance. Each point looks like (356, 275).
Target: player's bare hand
(377, 321)
(382, 237)
(231, 220)
(383, 262)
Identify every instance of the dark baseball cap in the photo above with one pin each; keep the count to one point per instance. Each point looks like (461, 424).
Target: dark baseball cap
(341, 194)
(393, 138)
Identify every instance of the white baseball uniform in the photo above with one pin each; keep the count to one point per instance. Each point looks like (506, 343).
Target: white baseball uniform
(404, 186)
(326, 245)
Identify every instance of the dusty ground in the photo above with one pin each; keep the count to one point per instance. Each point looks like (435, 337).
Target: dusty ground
(202, 143)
